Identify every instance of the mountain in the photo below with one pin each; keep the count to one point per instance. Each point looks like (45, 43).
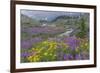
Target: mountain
(48, 15)
(25, 20)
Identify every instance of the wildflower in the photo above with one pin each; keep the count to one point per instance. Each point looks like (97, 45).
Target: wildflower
(24, 54)
(30, 58)
(45, 53)
(77, 56)
(33, 58)
(72, 42)
(25, 44)
(67, 57)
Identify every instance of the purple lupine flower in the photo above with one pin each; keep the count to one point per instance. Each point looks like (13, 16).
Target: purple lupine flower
(44, 30)
(73, 42)
(24, 54)
(70, 56)
(26, 44)
(34, 30)
(78, 57)
(67, 56)
(37, 30)
(36, 40)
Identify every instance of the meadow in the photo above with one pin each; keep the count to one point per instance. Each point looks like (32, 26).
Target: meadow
(64, 38)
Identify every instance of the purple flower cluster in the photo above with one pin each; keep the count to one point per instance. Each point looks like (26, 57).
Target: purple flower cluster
(24, 54)
(26, 44)
(78, 57)
(43, 30)
(71, 57)
(72, 42)
(68, 56)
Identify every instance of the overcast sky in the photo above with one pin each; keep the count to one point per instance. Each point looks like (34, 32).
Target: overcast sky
(46, 14)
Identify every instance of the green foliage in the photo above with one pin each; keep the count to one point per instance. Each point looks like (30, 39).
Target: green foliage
(82, 27)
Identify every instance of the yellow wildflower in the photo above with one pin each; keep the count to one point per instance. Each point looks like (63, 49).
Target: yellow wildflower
(45, 53)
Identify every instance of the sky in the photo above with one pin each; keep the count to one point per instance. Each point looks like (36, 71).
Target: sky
(46, 15)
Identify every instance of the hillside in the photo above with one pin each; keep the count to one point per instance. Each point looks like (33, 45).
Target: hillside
(25, 20)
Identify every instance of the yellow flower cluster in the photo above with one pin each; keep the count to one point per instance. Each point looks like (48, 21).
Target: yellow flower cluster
(49, 46)
(46, 49)
(35, 58)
